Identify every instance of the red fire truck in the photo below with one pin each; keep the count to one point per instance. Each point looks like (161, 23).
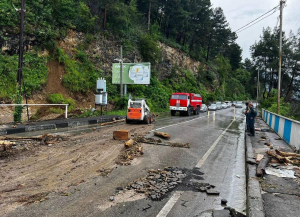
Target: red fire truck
(185, 103)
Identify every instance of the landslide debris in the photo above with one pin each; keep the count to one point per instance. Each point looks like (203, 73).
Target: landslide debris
(10, 146)
(158, 183)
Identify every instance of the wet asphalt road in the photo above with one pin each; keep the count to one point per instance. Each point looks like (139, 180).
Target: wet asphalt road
(217, 148)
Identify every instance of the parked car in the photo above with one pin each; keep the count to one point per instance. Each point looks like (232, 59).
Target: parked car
(228, 103)
(224, 105)
(212, 107)
(219, 105)
(203, 108)
(239, 104)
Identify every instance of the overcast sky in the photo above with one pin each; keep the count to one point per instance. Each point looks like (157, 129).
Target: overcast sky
(240, 12)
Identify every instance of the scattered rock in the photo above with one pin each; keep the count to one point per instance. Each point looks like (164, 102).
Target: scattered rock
(223, 201)
(158, 183)
(111, 198)
(212, 192)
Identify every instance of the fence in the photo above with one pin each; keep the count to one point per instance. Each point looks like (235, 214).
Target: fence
(287, 129)
(38, 105)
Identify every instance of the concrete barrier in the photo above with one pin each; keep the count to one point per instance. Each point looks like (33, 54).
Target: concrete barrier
(287, 129)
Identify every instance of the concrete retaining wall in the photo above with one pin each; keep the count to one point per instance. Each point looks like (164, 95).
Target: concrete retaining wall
(287, 129)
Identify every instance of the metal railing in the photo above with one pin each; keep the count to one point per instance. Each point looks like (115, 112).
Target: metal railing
(66, 109)
(288, 129)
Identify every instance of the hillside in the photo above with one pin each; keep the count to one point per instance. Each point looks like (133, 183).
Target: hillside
(69, 44)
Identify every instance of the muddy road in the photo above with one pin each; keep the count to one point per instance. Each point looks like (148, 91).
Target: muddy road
(80, 177)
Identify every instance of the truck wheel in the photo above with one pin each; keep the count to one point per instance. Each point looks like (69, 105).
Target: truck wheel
(195, 111)
(146, 120)
(198, 110)
(173, 113)
(127, 121)
(189, 112)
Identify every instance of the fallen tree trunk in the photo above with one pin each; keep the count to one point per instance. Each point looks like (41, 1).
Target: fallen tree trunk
(261, 168)
(129, 143)
(162, 135)
(287, 154)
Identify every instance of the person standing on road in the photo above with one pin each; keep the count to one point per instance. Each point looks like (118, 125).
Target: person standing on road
(251, 115)
(247, 119)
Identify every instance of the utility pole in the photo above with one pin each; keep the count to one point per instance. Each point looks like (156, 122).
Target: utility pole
(280, 56)
(258, 85)
(21, 46)
(149, 15)
(121, 69)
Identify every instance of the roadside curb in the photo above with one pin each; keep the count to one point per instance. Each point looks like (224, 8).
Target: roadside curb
(55, 124)
(255, 206)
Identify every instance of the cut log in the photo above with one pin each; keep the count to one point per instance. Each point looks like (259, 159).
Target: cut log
(129, 143)
(121, 135)
(286, 154)
(162, 135)
(261, 168)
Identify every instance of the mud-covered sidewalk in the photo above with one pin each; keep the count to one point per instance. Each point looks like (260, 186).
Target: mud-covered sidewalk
(279, 191)
(33, 169)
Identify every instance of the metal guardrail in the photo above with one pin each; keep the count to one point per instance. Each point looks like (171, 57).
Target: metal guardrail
(288, 129)
(66, 110)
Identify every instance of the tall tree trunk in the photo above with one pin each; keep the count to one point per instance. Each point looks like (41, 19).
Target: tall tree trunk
(161, 16)
(271, 83)
(149, 16)
(105, 15)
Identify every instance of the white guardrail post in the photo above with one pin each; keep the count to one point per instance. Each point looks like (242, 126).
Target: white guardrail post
(66, 114)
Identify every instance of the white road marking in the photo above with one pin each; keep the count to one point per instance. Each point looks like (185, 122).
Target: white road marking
(177, 123)
(203, 159)
(169, 205)
(172, 201)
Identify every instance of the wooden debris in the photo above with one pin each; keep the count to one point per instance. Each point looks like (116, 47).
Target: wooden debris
(278, 157)
(257, 129)
(121, 135)
(129, 143)
(112, 122)
(259, 157)
(287, 154)
(4, 145)
(162, 135)
(268, 143)
(261, 168)
(76, 159)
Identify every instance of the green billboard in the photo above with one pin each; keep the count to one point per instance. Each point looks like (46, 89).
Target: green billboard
(133, 73)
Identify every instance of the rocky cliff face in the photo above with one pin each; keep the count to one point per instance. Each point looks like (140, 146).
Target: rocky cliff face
(103, 50)
(173, 57)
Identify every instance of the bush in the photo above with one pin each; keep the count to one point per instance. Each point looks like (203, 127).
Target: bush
(57, 98)
(35, 74)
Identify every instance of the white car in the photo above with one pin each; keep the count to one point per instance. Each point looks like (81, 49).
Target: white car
(224, 105)
(239, 104)
(219, 105)
(203, 108)
(212, 107)
(228, 103)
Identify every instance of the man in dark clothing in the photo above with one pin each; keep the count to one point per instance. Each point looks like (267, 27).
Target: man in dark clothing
(251, 115)
(247, 119)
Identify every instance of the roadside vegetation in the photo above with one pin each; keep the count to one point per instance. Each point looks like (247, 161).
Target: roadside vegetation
(194, 27)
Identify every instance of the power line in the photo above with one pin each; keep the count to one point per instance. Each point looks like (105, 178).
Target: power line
(273, 9)
(255, 22)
